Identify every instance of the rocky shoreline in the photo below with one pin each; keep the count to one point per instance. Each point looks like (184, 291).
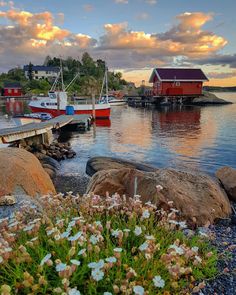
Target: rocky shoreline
(222, 232)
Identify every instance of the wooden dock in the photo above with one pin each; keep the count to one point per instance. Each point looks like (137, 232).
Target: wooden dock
(42, 129)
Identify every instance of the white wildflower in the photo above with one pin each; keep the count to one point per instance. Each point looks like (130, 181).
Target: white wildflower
(96, 265)
(173, 222)
(94, 239)
(118, 250)
(139, 290)
(45, 259)
(97, 274)
(198, 259)
(82, 251)
(126, 230)
(98, 222)
(28, 228)
(149, 237)
(115, 233)
(107, 293)
(74, 291)
(195, 249)
(158, 282)
(71, 224)
(177, 249)
(111, 259)
(75, 262)
(60, 267)
(182, 224)
(144, 246)
(65, 234)
(137, 231)
(75, 237)
(146, 214)
(159, 187)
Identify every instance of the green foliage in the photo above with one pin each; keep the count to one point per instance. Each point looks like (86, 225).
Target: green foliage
(89, 80)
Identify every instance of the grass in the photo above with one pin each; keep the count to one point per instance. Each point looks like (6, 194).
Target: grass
(40, 255)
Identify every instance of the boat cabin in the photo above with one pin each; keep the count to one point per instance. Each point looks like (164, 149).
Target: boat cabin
(177, 82)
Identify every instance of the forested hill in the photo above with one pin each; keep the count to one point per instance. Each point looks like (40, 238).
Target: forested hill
(89, 80)
(219, 89)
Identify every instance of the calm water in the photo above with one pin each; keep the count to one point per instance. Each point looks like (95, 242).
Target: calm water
(200, 138)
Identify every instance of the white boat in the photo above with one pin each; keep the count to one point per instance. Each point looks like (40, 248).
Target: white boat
(112, 100)
(56, 103)
(31, 118)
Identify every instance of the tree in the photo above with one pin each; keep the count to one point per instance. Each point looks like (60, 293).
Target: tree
(30, 71)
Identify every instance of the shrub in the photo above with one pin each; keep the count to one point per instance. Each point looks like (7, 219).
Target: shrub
(101, 245)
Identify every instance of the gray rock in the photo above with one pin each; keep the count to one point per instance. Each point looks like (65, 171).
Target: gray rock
(227, 177)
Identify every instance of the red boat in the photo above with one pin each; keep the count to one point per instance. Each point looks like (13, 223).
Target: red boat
(57, 103)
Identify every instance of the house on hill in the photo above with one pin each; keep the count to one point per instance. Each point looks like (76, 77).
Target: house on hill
(41, 72)
(12, 89)
(177, 82)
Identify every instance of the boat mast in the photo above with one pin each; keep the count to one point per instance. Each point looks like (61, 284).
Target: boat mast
(106, 85)
(62, 81)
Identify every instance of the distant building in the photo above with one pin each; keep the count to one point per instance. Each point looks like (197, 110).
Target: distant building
(12, 89)
(177, 81)
(42, 72)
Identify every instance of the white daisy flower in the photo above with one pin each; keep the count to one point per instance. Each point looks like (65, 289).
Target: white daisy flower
(137, 230)
(158, 282)
(139, 290)
(28, 228)
(45, 259)
(97, 274)
(146, 214)
(111, 259)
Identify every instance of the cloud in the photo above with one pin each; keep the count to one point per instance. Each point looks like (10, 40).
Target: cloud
(32, 36)
(218, 59)
(221, 75)
(88, 7)
(142, 16)
(122, 1)
(151, 2)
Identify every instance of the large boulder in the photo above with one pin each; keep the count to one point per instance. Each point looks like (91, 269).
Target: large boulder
(96, 164)
(22, 170)
(227, 177)
(209, 98)
(198, 197)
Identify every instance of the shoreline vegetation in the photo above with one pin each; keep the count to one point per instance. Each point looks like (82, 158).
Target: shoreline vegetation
(109, 243)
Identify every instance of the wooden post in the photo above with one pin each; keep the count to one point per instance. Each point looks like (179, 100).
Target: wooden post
(93, 103)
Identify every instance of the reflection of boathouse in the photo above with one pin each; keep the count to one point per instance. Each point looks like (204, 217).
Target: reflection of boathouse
(177, 82)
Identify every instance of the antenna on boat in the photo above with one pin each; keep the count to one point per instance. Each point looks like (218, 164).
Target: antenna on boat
(72, 80)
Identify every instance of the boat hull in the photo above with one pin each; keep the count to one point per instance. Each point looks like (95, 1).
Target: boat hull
(99, 113)
(117, 103)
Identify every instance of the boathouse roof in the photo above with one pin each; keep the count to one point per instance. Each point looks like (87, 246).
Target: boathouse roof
(12, 85)
(179, 74)
(42, 68)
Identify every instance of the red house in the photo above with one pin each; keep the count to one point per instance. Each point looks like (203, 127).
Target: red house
(12, 89)
(177, 82)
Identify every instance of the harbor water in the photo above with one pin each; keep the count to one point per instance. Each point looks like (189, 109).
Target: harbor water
(183, 137)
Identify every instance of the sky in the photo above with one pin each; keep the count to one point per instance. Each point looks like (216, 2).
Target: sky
(132, 36)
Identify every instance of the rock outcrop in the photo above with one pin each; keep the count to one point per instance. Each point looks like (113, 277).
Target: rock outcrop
(96, 164)
(227, 177)
(22, 170)
(209, 98)
(198, 197)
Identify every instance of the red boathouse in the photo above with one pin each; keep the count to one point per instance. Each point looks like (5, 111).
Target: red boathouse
(177, 82)
(12, 89)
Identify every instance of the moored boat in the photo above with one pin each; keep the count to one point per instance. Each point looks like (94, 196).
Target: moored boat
(56, 103)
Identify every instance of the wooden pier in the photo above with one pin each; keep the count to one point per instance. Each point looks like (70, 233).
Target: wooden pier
(42, 132)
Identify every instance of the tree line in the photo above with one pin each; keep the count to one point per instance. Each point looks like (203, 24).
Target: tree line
(91, 74)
